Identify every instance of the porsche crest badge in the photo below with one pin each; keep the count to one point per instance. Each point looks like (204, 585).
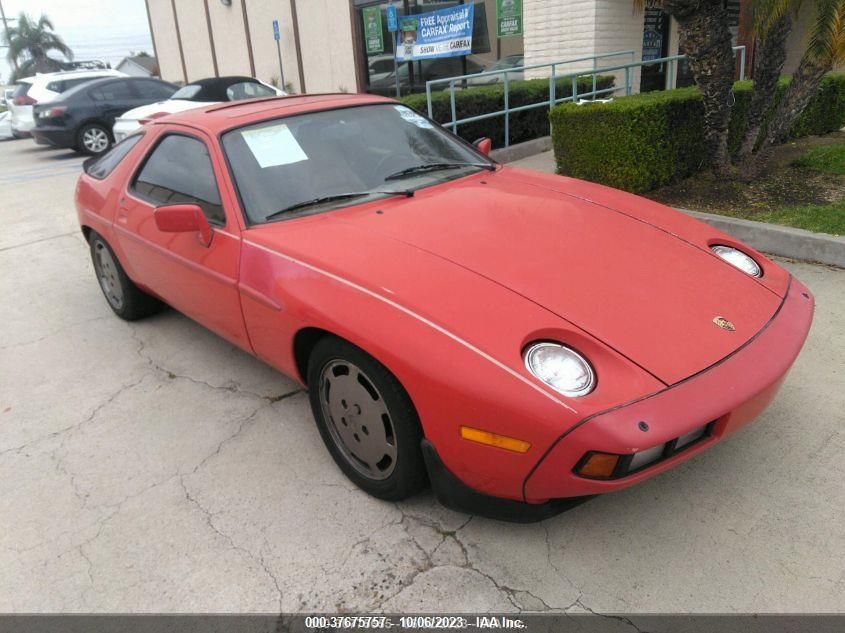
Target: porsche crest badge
(723, 323)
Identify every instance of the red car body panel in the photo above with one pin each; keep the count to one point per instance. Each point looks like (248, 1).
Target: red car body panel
(448, 287)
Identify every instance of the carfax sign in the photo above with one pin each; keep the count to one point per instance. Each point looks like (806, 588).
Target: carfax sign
(508, 17)
(443, 33)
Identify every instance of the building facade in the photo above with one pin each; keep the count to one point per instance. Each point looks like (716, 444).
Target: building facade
(346, 46)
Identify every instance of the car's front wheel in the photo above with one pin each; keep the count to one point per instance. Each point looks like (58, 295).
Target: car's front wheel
(127, 301)
(366, 419)
(93, 139)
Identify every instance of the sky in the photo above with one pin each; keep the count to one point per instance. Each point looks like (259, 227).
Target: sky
(94, 29)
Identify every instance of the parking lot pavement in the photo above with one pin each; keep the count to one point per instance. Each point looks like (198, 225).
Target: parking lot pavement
(153, 467)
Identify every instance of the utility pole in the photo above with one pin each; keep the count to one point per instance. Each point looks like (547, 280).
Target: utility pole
(6, 32)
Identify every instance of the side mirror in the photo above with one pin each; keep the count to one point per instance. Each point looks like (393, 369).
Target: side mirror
(484, 145)
(183, 218)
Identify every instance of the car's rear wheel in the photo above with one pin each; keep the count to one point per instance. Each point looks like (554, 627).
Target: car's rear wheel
(125, 298)
(93, 139)
(366, 419)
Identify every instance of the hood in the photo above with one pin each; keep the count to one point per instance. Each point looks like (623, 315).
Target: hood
(169, 106)
(643, 291)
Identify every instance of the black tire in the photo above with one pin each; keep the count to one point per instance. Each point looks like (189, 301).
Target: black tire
(93, 139)
(407, 474)
(125, 299)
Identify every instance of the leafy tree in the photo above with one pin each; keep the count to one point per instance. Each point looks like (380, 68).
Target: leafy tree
(29, 43)
(773, 20)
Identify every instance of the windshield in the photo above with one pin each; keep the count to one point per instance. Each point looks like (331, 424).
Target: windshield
(321, 160)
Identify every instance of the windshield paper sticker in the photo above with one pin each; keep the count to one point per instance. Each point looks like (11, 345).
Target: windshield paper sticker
(273, 146)
(412, 117)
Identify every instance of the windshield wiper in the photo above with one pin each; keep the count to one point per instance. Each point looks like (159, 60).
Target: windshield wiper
(416, 169)
(336, 196)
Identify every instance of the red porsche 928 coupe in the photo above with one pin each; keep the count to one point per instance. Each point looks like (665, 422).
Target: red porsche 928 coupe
(522, 341)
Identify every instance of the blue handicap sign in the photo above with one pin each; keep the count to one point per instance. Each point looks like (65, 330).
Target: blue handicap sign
(276, 35)
(392, 20)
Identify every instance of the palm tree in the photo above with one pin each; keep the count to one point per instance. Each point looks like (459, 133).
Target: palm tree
(706, 41)
(825, 50)
(30, 42)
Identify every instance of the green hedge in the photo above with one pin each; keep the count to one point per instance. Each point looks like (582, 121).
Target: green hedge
(648, 140)
(524, 126)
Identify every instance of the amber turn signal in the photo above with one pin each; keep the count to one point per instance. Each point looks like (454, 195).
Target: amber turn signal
(599, 465)
(494, 439)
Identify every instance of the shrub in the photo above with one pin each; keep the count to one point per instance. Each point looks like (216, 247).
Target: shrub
(478, 100)
(648, 140)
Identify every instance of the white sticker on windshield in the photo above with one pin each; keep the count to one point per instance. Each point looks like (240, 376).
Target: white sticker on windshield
(412, 117)
(273, 146)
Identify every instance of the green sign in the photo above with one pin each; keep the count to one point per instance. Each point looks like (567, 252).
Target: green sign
(372, 30)
(407, 24)
(508, 17)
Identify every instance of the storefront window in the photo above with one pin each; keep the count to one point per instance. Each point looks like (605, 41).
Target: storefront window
(421, 63)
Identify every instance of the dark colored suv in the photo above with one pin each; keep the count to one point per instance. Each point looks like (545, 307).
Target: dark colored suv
(82, 117)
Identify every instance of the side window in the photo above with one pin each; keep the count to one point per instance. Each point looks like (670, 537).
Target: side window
(112, 91)
(107, 163)
(247, 90)
(153, 90)
(179, 171)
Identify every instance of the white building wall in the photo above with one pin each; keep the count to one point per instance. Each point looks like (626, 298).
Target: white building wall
(227, 22)
(325, 33)
(166, 44)
(619, 28)
(558, 30)
(261, 15)
(193, 28)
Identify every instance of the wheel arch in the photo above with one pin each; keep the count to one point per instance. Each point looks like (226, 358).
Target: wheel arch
(303, 344)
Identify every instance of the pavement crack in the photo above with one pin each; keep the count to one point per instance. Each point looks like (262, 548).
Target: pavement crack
(257, 559)
(610, 616)
(38, 241)
(75, 426)
(232, 387)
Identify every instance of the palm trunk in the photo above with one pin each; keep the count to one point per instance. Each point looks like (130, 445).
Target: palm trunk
(706, 41)
(803, 87)
(768, 64)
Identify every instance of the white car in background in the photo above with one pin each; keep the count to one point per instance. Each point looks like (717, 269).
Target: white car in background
(194, 95)
(5, 126)
(46, 87)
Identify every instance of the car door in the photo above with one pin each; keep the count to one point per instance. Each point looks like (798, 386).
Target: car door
(198, 280)
(113, 98)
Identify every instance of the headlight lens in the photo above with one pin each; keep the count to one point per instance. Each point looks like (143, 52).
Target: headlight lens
(563, 369)
(738, 259)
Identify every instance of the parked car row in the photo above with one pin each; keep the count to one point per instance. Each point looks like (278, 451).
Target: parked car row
(88, 111)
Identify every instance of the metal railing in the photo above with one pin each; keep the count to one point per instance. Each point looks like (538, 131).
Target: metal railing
(573, 77)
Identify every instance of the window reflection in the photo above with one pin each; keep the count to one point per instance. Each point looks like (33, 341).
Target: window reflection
(489, 52)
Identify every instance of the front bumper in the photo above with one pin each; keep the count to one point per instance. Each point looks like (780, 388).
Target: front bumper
(725, 397)
(729, 394)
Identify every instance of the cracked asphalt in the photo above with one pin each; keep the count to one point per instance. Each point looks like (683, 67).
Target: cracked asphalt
(153, 467)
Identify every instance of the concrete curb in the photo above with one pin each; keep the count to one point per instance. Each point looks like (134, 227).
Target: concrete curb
(522, 150)
(780, 240)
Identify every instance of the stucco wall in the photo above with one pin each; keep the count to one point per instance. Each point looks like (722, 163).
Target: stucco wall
(194, 30)
(166, 44)
(328, 58)
(325, 35)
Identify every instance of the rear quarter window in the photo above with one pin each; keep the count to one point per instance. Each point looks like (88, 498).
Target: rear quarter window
(109, 161)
